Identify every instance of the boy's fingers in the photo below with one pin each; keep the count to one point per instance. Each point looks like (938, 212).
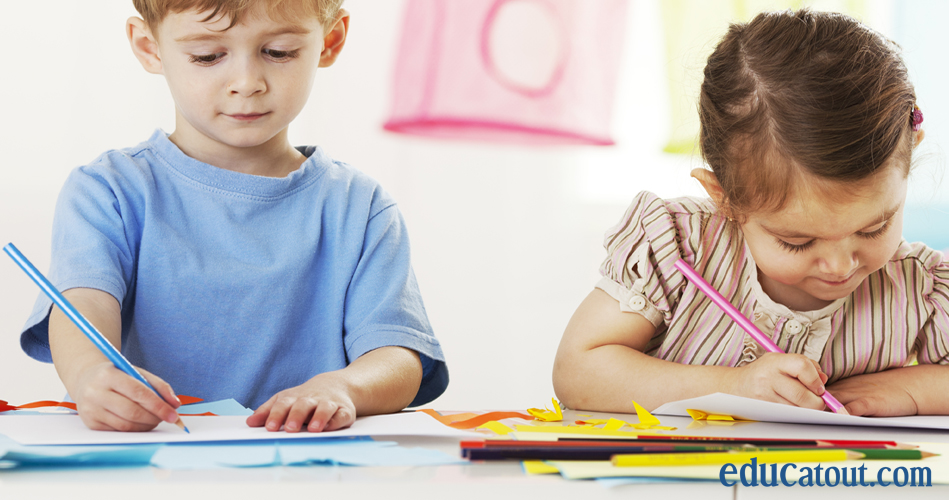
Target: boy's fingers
(321, 415)
(259, 417)
(122, 414)
(344, 417)
(164, 388)
(146, 398)
(278, 413)
(299, 413)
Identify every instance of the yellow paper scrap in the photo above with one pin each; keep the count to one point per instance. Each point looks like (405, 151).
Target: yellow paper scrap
(533, 467)
(584, 416)
(711, 417)
(546, 415)
(497, 428)
(614, 424)
(575, 430)
(645, 418)
(592, 421)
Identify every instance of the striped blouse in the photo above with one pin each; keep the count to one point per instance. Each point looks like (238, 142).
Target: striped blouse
(898, 314)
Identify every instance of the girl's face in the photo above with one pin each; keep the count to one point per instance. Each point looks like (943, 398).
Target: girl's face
(820, 247)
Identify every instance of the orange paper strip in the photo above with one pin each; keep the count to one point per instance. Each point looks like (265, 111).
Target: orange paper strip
(477, 421)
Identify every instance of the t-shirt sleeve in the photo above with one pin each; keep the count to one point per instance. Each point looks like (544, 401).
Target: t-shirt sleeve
(90, 249)
(384, 306)
(641, 252)
(933, 340)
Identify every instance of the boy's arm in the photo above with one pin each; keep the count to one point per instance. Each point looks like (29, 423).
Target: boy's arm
(107, 398)
(600, 365)
(383, 380)
(911, 390)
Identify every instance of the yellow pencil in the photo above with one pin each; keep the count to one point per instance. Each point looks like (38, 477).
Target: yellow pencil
(738, 457)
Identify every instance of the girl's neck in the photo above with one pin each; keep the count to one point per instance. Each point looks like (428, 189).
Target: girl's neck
(794, 299)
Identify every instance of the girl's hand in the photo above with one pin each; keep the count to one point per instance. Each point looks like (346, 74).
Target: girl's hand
(110, 400)
(791, 379)
(880, 394)
(323, 401)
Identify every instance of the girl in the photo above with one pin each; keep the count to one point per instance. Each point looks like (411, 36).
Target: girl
(808, 122)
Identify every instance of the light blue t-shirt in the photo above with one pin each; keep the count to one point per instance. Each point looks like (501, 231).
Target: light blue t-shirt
(234, 285)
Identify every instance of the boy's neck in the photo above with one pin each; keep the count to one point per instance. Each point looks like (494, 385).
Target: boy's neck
(274, 158)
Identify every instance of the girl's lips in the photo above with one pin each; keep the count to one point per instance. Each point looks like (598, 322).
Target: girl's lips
(836, 283)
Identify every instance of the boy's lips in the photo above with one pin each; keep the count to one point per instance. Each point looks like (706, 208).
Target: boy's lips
(246, 116)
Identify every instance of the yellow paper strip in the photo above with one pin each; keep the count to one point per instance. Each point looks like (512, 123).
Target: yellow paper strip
(497, 428)
(533, 467)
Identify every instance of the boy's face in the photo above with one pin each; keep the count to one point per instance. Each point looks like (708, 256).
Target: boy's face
(240, 87)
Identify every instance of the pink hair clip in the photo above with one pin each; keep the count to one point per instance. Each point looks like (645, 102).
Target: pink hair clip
(917, 118)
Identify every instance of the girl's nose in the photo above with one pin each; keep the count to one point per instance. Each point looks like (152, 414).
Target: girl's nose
(838, 262)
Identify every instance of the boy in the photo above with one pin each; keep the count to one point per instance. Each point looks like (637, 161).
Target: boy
(223, 261)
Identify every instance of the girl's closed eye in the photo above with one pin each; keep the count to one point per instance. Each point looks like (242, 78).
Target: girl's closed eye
(791, 247)
(876, 233)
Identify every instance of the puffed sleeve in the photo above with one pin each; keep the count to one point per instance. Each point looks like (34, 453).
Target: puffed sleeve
(933, 341)
(641, 250)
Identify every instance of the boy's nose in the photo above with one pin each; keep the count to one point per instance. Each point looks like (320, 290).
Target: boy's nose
(247, 80)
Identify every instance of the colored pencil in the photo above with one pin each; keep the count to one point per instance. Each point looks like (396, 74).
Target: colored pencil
(666, 459)
(607, 452)
(748, 441)
(80, 321)
(744, 322)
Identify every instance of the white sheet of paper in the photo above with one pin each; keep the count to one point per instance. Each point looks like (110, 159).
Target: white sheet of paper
(764, 411)
(69, 429)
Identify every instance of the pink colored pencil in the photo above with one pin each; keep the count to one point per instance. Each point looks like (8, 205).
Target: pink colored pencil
(744, 322)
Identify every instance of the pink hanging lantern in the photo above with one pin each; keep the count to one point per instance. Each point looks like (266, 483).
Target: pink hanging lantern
(524, 71)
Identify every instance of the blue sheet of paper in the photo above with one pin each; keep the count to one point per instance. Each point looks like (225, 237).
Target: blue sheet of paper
(360, 453)
(13, 455)
(222, 408)
(216, 455)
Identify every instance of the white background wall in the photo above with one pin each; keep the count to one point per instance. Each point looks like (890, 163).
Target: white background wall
(506, 239)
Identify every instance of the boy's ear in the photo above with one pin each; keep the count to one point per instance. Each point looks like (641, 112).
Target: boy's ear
(144, 45)
(708, 181)
(334, 39)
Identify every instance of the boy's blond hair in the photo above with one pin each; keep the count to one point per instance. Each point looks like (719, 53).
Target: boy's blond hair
(154, 11)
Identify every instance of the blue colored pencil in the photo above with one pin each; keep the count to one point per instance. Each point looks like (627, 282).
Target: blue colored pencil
(80, 321)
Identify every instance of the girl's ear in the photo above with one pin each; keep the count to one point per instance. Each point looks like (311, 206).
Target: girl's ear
(334, 39)
(144, 45)
(708, 181)
(918, 137)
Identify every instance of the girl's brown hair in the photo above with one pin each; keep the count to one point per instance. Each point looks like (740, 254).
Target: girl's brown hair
(154, 11)
(801, 93)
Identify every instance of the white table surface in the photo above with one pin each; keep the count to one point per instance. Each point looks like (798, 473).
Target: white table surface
(485, 481)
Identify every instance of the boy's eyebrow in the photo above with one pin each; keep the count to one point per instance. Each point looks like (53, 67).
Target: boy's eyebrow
(794, 235)
(214, 35)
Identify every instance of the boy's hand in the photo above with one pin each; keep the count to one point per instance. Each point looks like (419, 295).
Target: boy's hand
(792, 379)
(110, 400)
(875, 395)
(324, 401)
